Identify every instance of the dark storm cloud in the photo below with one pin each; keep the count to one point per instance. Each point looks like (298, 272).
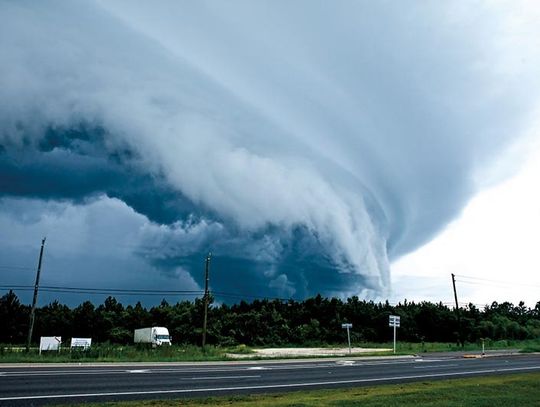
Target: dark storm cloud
(306, 144)
(74, 164)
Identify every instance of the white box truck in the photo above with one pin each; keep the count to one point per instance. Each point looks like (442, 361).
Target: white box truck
(155, 336)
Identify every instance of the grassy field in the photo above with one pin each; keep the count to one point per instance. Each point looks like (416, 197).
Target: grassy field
(131, 353)
(510, 390)
(117, 353)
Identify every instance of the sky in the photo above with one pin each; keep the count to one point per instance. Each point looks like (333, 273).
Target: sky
(356, 148)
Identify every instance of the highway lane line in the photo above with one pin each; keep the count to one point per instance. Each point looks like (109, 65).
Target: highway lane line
(428, 367)
(31, 373)
(262, 387)
(223, 377)
(189, 370)
(103, 372)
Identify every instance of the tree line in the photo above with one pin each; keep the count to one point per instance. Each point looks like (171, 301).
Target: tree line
(313, 321)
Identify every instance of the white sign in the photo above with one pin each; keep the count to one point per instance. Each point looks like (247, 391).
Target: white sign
(50, 343)
(348, 326)
(394, 320)
(81, 342)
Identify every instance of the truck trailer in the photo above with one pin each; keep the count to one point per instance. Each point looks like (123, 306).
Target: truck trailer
(155, 336)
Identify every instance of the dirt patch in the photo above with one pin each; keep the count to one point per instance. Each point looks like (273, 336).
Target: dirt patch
(305, 352)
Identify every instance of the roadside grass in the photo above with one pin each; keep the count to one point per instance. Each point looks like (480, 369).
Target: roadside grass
(189, 353)
(116, 353)
(494, 391)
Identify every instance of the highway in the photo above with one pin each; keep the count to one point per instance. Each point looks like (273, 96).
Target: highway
(33, 385)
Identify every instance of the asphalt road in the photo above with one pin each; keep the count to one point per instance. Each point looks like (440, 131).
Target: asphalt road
(56, 384)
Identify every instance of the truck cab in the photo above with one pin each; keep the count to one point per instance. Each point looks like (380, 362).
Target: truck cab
(160, 336)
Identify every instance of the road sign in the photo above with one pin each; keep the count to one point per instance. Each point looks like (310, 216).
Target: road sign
(84, 343)
(348, 326)
(50, 343)
(394, 320)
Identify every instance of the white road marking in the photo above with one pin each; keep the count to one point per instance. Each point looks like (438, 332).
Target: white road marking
(345, 362)
(428, 367)
(138, 371)
(197, 370)
(61, 373)
(223, 377)
(269, 386)
(429, 360)
(106, 371)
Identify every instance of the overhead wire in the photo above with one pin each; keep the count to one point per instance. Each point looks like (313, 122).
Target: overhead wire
(115, 291)
(480, 280)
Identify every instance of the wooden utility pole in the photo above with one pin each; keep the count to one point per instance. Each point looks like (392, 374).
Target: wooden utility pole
(460, 338)
(34, 300)
(206, 297)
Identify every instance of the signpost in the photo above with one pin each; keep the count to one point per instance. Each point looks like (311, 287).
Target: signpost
(394, 322)
(50, 343)
(83, 343)
(348, 326)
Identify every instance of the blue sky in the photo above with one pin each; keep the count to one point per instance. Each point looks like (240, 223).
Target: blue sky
(351, 149)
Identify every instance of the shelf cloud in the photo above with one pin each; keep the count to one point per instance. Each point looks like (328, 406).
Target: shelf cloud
(306, 144)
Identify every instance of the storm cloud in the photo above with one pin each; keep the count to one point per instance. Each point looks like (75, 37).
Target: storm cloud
(306, 144)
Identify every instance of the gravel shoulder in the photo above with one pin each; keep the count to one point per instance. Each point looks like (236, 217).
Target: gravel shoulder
(306, 352)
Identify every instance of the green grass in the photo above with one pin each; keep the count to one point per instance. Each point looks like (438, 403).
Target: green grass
(131, 353)
(419, 348)
(117, 353)
(495, 391)
(531, 348)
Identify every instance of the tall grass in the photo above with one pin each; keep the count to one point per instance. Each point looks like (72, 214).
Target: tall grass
(115, 353)
(130, 353)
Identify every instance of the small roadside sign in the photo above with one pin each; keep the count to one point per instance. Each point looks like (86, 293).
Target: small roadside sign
(394, 322)
(50, 343)
(348, 326)
(84, 343)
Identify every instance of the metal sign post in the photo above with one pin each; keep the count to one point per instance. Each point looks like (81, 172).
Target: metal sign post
(348, 326)
(394, 321)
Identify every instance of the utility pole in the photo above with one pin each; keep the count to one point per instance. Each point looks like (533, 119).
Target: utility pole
(34, 300)
(460, 339)
(206, 297)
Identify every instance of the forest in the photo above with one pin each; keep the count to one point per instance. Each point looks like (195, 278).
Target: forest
(314, 321)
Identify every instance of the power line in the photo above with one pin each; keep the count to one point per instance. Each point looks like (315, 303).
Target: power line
(130, 290)
(255, 297)
(8, 267)
(118, 291)
(505, 283)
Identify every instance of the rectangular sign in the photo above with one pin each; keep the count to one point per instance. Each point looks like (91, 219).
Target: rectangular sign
(346, 325)
(394, 320)
(84, 343)
(50, 343)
